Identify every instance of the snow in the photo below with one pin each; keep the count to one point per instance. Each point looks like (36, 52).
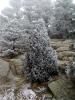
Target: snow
(28, 94)
(23, 94)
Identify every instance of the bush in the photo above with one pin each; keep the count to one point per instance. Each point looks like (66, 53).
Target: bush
(70, 71)
(15, 40)
(42, 60)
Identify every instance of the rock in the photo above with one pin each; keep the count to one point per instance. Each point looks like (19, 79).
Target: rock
(62, 63)
(46, 97)
(53, 99)
(60, 56)
(6, 74)
(12, 68)
(4, 68)
(68, 41)
(56, 45)
(60, 49)
(72, 47)
(17, 64)
(62, 89)
(4, 80)
(66, 54)
(68, 58)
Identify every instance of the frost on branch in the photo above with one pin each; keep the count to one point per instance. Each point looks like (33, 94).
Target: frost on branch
(15, 39)
(42, 60)
(70, 71)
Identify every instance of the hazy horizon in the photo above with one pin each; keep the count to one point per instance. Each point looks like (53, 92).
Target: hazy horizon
(5, 3)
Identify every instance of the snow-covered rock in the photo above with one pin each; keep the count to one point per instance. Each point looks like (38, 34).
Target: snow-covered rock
(29, 94)
(8, 95)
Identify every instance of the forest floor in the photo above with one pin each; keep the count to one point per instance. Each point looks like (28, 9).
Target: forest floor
(20, 89)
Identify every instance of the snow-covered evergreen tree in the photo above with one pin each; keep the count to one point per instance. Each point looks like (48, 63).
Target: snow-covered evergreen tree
(42, 60)
(15, 39)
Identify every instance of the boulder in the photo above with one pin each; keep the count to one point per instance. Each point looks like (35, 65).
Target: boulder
(56, 45)
(72, 47)
(66, 54)
(5, 72)
(70, 71)
(68, 58)
(62, 89)
(4, 68)
(68, 41)
(17, 65)
(60, 49)
(62, 63)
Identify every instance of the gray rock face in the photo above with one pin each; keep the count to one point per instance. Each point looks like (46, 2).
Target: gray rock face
(11, 68)
(4, 68)
(17, 64)
(62, 89)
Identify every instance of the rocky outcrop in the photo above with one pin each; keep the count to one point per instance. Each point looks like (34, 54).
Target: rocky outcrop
(12, 69)
(64, 51)
(17, 64)
(4, 68)
(62, 89)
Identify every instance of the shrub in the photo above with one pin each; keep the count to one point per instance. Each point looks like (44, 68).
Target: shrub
(70, 71)
(42, 60)
(15, 40)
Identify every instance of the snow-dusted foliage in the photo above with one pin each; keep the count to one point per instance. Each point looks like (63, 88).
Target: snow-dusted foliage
(62, 23)
(70, 71)
(24, 93)
(15, 39)
(42, 60)
(8, 95)
(59, 17)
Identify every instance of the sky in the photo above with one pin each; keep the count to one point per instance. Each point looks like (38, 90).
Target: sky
(5, 3)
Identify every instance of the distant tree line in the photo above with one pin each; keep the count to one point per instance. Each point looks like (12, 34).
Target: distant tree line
(59, 18)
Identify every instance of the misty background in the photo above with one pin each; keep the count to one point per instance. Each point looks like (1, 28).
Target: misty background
(58, 15)
(37, 49)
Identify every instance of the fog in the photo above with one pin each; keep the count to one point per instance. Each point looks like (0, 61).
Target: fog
(37, 49)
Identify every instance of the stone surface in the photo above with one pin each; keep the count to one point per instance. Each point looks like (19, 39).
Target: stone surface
(10, 69)
(60, 49)
(53, 99)
(62, 89)
(64, 52)
(56, 87)
(17, 64)
(4, 68)
(62, 64)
